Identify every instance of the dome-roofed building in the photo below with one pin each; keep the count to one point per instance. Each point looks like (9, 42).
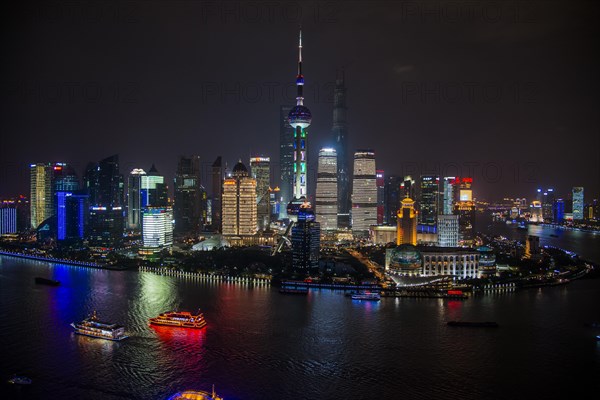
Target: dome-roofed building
(405, 260)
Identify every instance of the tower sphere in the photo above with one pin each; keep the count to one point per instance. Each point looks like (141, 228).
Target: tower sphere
(299, 116)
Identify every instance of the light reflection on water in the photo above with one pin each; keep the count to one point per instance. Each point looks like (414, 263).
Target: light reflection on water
(261, 344)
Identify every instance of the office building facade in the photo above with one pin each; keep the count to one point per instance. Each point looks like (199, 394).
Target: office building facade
(326, 202)
(364, 193)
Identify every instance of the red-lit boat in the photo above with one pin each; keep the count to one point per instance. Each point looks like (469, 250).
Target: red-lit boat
(181, 319)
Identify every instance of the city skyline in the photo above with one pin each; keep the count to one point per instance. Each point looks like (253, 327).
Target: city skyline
(393, 94)
(272, 200)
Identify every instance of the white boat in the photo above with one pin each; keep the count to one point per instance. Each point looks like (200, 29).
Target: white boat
(370, 296)
(98, 329)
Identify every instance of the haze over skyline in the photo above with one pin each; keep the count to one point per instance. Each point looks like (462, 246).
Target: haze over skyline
(505, 93)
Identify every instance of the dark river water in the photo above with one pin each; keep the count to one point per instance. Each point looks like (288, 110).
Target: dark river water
(260, 344)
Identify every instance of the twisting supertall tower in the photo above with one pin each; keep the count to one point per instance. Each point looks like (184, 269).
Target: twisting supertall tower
(299, 118)
(340, 137)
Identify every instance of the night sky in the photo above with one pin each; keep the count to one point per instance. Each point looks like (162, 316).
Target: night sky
(506, 89)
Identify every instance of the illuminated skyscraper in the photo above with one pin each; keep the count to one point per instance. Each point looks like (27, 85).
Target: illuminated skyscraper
(41, 199)
(153, 190)
(448, 195)
(392, 199)
(380, 182)
(407, 187)
(8, 217)
(406, 232)
(64, 178)
(189, 207)
(260, 170)
(340, 135)
(364, 193)
(447, 230)
(286, 160)
(72, 209)
(547, 203)
(217, 192)
(558, 211)
(306, 239)
(299, 119)
(239, 203)
(326, 202)
(157, 228)
(578, 203)
(134, 200)
(104, 184)
(428, 200)
(465, 209)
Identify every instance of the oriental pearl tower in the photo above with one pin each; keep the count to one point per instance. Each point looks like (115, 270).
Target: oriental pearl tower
(299, 118)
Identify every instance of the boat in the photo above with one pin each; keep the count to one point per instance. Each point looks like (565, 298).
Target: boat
(20, 380)
(369, 296)
(293, 290)
(93, 327)
(196, 395)
(486, 324)
(44, 281)
(182, 319)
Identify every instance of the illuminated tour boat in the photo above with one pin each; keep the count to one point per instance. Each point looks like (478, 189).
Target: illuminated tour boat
(95, 328)
(182, 319)
(195, 395)
(370, 296)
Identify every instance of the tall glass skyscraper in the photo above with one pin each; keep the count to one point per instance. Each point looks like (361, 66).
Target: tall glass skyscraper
(8, 217)
(547, 203)
(306, 239)
(407, 187)
(189, 208)
(448, 195)
(448, 230)
(104, 184)
(72, 209)
(578, 203)
(364, 193)
(326, 201)
(71, 205)
(64, 178)
(465, 209)
(134, 199)
(41, 199)
(380, 181)
(217, 175)
(239, 203)
(157, 227)
(340, 136)
(392, 199)
(153, 189)
(260, 170)
(428, 200)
